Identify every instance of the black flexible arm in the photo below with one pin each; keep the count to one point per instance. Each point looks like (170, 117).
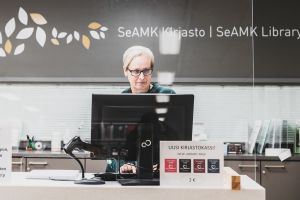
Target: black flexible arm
(77, 143)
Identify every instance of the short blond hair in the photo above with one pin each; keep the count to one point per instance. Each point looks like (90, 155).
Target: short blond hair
(135, 51)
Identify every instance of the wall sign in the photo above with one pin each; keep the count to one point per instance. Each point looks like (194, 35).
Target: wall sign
(5, 153)
(190, 163)
(84, 41)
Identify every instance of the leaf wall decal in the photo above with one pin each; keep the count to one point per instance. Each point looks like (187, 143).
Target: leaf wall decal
(40, 36)
(69, 38)
(102, 35)
(10, 27)
(94, 25)
(86, 42)
(2, 53)
(38, 18)
(54, 32)
(103, 28)
(76, 35)
(62, 35)
(55, 41)
(25, 33)
(95, 35)
(19, 49)
(23, 17)
(8, 46)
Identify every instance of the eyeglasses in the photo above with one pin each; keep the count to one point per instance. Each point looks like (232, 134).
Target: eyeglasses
(136, 72)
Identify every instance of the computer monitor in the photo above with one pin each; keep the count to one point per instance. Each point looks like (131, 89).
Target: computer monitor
(122, 124)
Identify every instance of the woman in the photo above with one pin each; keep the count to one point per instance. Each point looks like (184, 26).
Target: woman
(138, 64)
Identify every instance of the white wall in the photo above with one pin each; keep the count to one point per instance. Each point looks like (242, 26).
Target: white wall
(225, 111)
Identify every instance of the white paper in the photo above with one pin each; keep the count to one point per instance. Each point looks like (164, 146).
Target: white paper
(5, 153)
(53, 174)
(253, 136)
(285, 154)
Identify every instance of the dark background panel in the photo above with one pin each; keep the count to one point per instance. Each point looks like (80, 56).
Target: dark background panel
(206, 58)
(277, 57)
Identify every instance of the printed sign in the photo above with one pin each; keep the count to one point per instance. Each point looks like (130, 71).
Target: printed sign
(199, 165)
(191, 163)
(5, 153)
(171, 165)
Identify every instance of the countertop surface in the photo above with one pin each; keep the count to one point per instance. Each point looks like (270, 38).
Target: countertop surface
(62, 154)
(48, 154)
(259, 157)
(31, 189)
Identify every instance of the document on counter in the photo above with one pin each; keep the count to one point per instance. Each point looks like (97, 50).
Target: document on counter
(63, 175)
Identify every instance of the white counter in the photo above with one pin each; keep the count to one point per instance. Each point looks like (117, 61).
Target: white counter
(29, 189)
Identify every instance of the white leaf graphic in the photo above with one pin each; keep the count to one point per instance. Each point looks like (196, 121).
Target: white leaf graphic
(95, 35)
(23, 17)
(76, 35)
(103, 28)
(10, 27)
(25, 33)
(19, 49)
(0, 38)
(40, 36)
(2, 53)
(54, 32)
(69, 38)
(102, 35)
(62, 35)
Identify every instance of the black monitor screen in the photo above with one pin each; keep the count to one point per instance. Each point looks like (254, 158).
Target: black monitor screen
(118, 120)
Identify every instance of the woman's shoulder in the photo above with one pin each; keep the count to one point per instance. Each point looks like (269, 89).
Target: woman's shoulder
(127, 90)
(160, 89)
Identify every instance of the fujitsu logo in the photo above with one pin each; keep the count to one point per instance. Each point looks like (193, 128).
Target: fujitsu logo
(146, 143)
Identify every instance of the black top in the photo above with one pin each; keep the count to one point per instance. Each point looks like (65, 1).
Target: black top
(156, 88)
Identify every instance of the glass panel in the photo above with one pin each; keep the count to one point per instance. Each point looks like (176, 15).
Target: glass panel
(202, 47)
(275, 93)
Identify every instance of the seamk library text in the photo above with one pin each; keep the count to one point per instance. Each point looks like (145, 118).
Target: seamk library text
(209, 32)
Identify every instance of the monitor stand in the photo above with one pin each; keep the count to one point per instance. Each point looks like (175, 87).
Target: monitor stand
(144, 170)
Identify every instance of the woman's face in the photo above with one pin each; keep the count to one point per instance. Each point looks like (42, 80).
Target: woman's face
(140, 83)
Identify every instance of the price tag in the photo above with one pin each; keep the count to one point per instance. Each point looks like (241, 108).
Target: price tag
(191, 163)
(5, 152)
